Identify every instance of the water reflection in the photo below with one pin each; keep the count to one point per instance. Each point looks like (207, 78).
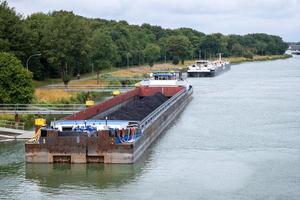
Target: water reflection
(93, 174)
(100, 175)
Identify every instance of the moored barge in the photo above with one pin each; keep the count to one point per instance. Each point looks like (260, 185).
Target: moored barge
(206, 68)
(117, 130)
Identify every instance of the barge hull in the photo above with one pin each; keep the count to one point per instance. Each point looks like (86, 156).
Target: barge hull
(102, 148)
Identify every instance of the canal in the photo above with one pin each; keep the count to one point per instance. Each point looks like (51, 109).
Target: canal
(238, 139)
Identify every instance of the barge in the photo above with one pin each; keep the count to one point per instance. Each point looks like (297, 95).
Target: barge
(206, 68)
(117, 130)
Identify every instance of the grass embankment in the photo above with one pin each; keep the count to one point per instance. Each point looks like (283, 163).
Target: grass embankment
(257, 58)
(52, 95)
(60, 96)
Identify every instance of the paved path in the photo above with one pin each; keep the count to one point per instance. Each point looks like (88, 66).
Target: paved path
(10, 133)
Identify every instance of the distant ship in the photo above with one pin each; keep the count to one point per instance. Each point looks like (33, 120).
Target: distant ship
(206, 68)
(296, 52)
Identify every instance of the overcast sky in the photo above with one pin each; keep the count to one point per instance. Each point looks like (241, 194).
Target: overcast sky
(278, 17)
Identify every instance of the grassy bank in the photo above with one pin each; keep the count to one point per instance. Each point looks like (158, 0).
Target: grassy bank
(258, 58)
(140, 71)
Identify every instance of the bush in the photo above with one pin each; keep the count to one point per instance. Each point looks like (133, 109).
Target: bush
(16, 85)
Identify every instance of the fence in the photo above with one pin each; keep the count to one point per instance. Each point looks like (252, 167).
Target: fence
(40, 108)
(12, 124)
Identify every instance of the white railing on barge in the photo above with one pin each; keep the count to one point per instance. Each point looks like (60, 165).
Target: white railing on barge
(158, 111)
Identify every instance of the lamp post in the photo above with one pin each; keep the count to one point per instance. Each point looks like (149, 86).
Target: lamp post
(127, 55)
(27, 62)
(92, 69)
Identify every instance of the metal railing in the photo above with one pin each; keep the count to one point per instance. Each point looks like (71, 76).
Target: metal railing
(12, 124)
(89, 87)
(40, 108)
(123, 78)
(156, 113)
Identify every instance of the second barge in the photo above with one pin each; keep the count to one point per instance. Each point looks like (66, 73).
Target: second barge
(206, 68)
(117, 130)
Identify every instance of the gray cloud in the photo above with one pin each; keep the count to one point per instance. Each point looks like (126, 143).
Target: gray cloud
(280, 17)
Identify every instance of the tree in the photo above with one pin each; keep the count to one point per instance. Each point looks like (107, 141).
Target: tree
(65, 42)
(104, 52)
(36, 25)
(214, 43)
(121, 38)
(152, 53)
(178, 47)
(237, 49)
(11, 30)
(16, 84)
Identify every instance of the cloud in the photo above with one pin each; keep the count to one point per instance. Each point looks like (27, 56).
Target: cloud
(280, 17)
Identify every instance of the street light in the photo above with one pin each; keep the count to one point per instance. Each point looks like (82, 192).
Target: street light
(27, 62)
(127, 59)
(165, 56)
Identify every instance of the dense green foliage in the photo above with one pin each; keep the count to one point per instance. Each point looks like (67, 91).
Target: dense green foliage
(103, 51)
(152, 53)
(16, 84)
(73, 44)
(178, 47)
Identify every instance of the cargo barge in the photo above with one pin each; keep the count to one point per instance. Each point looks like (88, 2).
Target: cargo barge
(117, 130)
(206, 68)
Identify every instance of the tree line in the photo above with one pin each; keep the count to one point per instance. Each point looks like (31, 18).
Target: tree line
(70, 44)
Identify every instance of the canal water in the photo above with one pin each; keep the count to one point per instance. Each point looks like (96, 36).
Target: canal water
(238, 139)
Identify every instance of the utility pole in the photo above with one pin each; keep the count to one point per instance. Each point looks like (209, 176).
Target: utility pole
(127, 60)
(92, 69)
(139, 58)
(165, 56)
